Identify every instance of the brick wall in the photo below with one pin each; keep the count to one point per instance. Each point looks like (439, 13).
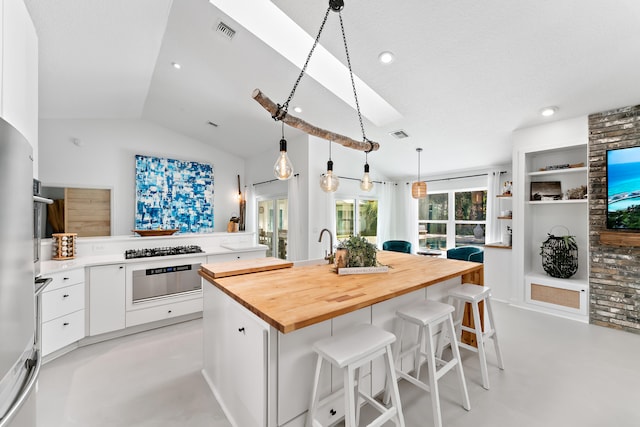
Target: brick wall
(614, 270)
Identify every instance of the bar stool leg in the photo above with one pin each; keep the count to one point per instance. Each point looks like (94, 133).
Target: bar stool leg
(480, 341)
(495, 333)
(313, 406)
(418, 353)
(456, 354)
(394, 392)
(356, 395)
(397, 349)
(433, 382)
(349, 398)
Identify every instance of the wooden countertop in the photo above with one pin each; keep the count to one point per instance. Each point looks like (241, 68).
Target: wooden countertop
(292, 298)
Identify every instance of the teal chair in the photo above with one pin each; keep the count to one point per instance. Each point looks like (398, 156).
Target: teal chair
(466, 253)
(397, 246)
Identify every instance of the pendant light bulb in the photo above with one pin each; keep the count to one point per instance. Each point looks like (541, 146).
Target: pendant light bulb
(419, 188)
(366, 184)
(283, 168)
(329, 182)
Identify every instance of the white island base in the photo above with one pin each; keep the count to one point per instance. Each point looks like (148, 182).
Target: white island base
(262, 377)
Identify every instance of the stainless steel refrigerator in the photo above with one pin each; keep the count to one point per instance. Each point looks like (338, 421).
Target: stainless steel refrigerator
(19, 358)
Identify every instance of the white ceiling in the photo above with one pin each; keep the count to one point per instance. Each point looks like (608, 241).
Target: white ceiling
(466, 74)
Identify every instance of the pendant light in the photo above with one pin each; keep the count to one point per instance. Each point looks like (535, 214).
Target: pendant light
(419, 188)
(329, 182)
(283, 168)
(366, 184)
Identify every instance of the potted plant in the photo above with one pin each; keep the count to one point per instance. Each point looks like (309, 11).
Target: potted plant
(360, 253)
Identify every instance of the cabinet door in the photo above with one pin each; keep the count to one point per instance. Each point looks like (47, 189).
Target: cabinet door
(20, 70)
(106, 298)
(247, 344)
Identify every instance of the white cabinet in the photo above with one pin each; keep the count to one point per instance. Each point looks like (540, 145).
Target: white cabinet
(546, 158)
(63, 321)
(236, 358)
(19, 65)
(106, 298)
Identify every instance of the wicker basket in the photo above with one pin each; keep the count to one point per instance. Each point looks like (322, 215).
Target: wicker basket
(560, 255)
(63, 245)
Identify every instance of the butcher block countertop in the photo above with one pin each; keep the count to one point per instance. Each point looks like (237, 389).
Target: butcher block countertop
(290, 298)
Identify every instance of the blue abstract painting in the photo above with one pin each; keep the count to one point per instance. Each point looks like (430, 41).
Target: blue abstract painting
(173, 194)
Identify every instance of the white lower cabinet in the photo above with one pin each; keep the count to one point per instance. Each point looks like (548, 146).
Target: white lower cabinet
(62, 331)
(63, 303)
(236, 358)
(296, 367)
(162, 312)
(106, 298)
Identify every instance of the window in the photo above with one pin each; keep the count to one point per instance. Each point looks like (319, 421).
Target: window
(453, 218)
(357, 214)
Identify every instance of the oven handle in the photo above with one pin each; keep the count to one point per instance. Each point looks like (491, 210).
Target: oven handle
(44, 200)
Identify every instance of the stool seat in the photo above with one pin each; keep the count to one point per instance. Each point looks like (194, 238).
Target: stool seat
(425, 312)
(348, 347)
(470, 292)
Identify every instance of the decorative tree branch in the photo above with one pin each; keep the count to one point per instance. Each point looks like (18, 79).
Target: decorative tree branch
(300, 124)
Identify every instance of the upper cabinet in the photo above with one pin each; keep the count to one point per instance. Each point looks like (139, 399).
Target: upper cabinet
(19, 70)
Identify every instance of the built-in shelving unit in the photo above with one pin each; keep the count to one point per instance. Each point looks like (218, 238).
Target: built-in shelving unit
(534, 220)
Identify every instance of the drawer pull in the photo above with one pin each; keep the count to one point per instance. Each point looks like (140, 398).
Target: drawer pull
(169, 311)
(65, 324)
(65, 296)
(242, 330)
(65, 278)
(121, 267)
(332, 412)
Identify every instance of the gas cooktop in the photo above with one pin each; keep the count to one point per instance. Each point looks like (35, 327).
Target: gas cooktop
(153, 252)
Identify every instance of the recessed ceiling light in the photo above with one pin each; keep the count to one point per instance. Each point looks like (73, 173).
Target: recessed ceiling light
(386, 57)
(176, 65)
(297, 109)
(548, 111)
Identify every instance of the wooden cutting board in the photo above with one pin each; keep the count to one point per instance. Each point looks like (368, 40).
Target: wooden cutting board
(243, 266)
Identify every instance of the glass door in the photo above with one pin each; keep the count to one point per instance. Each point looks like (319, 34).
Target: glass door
(273, 224)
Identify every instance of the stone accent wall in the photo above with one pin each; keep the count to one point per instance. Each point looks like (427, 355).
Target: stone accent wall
(614, 270)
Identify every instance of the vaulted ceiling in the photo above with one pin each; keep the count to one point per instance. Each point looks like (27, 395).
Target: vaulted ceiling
(466, 73)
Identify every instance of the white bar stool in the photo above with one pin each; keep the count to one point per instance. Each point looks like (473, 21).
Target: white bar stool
(349, 350)
(474, 294)
(427, 315)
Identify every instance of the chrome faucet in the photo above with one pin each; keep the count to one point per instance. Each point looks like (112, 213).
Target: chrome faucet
(330, 256)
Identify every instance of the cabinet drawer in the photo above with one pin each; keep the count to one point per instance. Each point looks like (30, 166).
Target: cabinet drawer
(66, 278)
(62, 301)
(161, 312)
(62, 331)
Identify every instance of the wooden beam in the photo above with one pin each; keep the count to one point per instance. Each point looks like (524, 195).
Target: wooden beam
(300, 124)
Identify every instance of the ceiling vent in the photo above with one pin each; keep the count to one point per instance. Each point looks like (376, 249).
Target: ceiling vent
(225, 30)
(399, 134)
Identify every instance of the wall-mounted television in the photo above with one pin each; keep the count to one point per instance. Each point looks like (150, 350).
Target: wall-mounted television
(623, 189)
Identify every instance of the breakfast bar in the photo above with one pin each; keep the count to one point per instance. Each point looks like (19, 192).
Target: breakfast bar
(262, 316)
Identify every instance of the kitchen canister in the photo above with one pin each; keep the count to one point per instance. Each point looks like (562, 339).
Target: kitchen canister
(560, 255)
(63, 245)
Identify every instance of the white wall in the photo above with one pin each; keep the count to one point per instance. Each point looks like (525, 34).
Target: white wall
(106, 159)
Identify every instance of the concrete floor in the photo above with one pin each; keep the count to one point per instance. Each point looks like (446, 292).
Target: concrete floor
(557, 373)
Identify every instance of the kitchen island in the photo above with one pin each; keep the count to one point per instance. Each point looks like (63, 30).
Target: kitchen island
(259, 328)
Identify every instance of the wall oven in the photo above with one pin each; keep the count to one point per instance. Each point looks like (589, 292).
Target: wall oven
(164, 281)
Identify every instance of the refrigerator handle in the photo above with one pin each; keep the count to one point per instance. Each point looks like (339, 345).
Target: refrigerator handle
(34, 370)
(42, 200)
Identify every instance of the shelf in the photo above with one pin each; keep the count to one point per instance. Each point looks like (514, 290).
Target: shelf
(498, 245)
(505, 217)
(505, 196)
(559, 202)
(558, 171)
